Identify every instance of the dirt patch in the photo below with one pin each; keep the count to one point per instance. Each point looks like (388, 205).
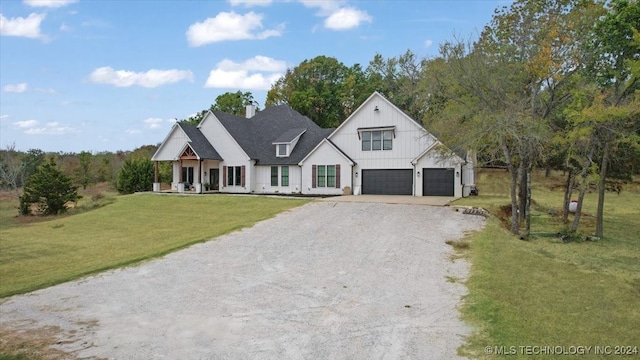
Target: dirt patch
(32, 343)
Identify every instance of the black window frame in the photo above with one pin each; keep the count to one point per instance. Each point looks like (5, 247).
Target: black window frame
(274, 176)
(377, 140)
(284, 176)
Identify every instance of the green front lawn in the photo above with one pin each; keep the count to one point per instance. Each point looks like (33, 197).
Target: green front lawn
(131, 229)
(544, 292)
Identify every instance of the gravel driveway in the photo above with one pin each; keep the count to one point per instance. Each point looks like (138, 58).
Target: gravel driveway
(328, 280)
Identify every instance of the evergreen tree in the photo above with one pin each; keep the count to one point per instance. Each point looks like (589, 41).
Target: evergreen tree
(50, 189)
(136, 175)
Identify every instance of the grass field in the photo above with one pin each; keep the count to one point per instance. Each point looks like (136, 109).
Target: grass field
(544, 292)
(38, 252)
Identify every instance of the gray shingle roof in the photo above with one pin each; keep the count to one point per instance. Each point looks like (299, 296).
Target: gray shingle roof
(257, 134)
(200, 145)
(289, 135)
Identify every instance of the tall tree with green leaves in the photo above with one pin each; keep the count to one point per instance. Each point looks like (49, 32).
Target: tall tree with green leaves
(401, 79)
(230, 103)
(615, 66)
(32, 160)
(322, 88)
(233, 103)
(50, 189)
(507, 86)
(84, 171)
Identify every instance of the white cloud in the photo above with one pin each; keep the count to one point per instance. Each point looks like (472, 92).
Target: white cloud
(326, 7)
(132, 131)
(16, 88)
(4, 116)
(149, 79)
(256, 63)
(153, 123)
(257, 73)
(250, 3)
(26, 123)
(428, 43)
(346, 18)
(230, 26)
(32, 127)
(46, 90)
(24, 27)
(240, 80)
(65, 27)
(49, 3)
(338, 17)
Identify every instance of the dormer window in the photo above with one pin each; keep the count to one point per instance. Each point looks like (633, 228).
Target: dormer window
(377, 139)
(286, 142)
(282, 150)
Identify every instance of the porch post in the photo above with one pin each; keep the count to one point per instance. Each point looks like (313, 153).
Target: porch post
(156, 184)
(181, 182)
(198, 185)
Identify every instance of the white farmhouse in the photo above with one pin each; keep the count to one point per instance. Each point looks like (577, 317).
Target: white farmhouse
(377, 150)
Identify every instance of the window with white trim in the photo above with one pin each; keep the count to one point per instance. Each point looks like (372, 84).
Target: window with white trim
(234, 175)
(282, 150)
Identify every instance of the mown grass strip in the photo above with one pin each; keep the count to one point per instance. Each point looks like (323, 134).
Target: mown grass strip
(132, 229)
(547, 293)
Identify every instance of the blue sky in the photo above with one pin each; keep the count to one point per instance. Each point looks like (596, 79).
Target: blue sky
(78, 75)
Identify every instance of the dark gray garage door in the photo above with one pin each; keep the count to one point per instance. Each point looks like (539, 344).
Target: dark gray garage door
(387, 181)
(437, 182)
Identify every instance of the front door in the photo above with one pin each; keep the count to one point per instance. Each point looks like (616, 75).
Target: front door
(214, 178)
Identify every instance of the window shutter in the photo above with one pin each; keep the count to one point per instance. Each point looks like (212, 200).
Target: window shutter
(337, 176)
(242, 173)
(224, 176)
(313, 176)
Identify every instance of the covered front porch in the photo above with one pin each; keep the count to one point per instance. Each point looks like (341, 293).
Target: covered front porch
(191, 173)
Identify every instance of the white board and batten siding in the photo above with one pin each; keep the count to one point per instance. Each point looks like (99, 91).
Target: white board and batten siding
(172, 145)
(410, 138)
(263, 180)
(409, 141)
(326, 154)
(229, 150)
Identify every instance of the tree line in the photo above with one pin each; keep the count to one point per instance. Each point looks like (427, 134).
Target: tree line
(51, 180)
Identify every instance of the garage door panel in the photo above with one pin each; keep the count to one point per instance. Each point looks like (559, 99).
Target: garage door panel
(387, 181)
(437, 182)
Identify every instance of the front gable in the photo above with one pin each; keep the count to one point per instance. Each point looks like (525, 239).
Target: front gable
(377, 111)
(172, 145)
(225, 144)
(378, 134)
